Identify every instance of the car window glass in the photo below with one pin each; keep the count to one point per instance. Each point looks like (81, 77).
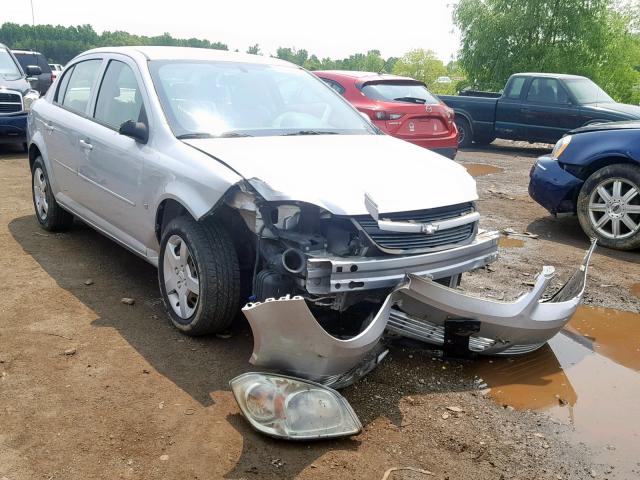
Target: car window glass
(335, 85)
(42, 63)
(547, 90)
(515, 88)
(64, 83)
(119, 98)
(78, 91)
(399, 91)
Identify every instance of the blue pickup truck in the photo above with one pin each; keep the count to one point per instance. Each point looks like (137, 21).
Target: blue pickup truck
(535, 107)
(16, 97)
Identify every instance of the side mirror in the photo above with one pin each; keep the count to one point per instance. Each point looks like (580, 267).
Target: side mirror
(33, 71)
(136, 130)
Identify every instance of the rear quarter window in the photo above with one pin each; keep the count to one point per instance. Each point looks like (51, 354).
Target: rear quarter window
(515, 88)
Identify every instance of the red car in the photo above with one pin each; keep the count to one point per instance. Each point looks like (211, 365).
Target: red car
(400, 106)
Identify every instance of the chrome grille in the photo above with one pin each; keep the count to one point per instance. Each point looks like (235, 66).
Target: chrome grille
(419, 241)
(10, 101)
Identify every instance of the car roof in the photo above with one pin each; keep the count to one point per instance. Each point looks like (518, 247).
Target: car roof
(188, 53)
(25, 52)
(547, 75)
(364, 77)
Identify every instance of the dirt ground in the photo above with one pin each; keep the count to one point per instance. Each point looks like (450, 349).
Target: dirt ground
(133, 398)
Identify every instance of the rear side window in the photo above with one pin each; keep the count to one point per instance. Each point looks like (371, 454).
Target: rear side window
(80, 85)
(335, 85)
(119, 98)
(408, 92)
(42, 63)
(26, 59)
(515, 88)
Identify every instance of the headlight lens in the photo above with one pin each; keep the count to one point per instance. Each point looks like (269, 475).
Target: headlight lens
(30, 97)
(560, 147)
(292, 408)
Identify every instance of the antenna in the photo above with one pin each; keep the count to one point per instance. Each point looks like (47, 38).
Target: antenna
(33, 24)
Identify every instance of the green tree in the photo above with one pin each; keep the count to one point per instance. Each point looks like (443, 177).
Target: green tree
(254, 49)
(585, 37)
(422, 65)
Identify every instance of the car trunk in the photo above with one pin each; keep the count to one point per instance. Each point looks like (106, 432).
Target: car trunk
(408, 109)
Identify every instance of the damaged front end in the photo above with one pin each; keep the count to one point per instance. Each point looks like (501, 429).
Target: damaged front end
(329, 291)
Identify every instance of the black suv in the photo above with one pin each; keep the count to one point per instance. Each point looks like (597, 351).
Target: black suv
(28, 58)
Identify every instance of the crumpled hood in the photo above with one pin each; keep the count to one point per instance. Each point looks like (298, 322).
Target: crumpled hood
(335, 171)
(632, 111)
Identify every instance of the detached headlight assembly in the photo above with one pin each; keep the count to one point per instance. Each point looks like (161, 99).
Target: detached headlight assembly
(291, 408)
(560, 147)
(28, 99)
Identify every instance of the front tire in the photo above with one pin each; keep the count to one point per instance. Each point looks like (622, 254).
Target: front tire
(609, 206)
(199, 276)
(51, 216)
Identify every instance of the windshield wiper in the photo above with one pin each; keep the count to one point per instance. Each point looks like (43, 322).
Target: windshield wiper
(410, 99)
(188, 136)
(309, 132)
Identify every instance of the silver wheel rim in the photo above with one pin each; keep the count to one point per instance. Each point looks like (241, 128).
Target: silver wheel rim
(461, 134)
(181, 282)
(40, 193)
(614, 208)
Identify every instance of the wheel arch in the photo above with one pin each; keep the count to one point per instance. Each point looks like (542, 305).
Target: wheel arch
(600, 162)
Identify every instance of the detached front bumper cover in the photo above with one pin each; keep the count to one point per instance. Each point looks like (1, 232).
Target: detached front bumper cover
(431, 312)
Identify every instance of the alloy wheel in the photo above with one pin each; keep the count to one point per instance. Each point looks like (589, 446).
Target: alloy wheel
(40, 193)
(181, 282)
(614, 208)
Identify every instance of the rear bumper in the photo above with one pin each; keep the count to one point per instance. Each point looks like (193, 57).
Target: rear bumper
(337, 274)
(552, 187)
(13, 128)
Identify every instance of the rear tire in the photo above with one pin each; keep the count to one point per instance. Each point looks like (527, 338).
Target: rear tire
(199, 276)
(609, 206)
(51, 216)
(465, 136)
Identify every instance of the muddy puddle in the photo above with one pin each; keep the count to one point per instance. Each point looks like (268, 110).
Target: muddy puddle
(588, 377)
(480, 169)
(635, 289)
(509, 242)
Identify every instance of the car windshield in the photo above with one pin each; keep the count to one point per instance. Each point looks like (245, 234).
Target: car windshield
(586, 91)
(8, 67)
(233, 99)
(402, 91)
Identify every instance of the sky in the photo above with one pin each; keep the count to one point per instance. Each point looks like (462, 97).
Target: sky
(327, 28)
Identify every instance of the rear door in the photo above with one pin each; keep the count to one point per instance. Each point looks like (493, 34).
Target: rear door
(548, 112)
(112, 169)
(66, 122)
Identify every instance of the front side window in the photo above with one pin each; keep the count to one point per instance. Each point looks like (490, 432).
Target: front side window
(8, 68)
(78, 90)
(399, 91)
(547, 90)
(119, 98)
(210, 99)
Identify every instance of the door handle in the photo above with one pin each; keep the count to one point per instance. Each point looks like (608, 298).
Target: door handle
(48, 127)
(525, 110)
(86, 145)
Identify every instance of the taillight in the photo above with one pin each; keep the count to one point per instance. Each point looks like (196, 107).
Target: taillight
(381, 115)
(450, 115)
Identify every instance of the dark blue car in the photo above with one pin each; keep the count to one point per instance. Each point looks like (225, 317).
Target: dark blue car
(16, 97)
(594, 172)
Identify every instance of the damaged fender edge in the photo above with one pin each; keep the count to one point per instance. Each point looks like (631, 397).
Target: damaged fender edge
(502, 327)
